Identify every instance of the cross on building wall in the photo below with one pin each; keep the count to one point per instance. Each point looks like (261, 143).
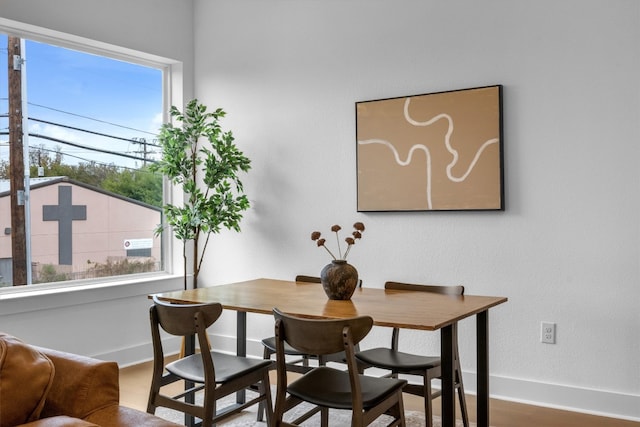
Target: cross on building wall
(65, 213)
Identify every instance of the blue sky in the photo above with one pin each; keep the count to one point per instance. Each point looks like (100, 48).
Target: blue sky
(88, 92)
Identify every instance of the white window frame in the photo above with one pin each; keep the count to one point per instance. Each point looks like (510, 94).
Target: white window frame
(172, 93)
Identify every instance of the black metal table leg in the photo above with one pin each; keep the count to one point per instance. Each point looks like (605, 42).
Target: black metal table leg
(448, 389)
(241, 346)
(482, 349)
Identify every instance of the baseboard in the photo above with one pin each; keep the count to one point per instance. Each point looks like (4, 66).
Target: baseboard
(558, 396)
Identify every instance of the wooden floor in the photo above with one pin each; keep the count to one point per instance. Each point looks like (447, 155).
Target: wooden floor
(135, 380)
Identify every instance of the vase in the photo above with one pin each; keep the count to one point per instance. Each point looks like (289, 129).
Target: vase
(339, 280)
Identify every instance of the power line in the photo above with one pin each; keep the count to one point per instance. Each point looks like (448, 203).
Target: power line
(84, 117)
(130, 140)
(73, 144)
(92, 132)
(100, 150)
(89, 118)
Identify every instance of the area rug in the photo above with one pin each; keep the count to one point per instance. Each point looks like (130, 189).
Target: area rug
(247, 418)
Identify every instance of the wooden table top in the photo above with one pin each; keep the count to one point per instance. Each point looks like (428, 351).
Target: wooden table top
(393, 308)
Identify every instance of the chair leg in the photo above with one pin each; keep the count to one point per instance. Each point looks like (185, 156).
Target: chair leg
(322, 361)
(461, 395)
(266, 355)
(397, 412)
(153, 395)
(209, 407)
(151, 407)
(400, 406)
(428, 406)
(266, 405)
(324, 417)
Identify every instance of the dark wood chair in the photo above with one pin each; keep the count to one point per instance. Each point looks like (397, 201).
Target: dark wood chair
(427, 367)
(216, 374)
(298, 361)
(328, 388)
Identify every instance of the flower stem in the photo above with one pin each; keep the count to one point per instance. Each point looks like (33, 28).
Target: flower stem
(332, 255)
(347, 252)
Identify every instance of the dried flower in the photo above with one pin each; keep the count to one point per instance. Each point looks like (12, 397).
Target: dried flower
(357, 234)
(350, 242)
(321, 242)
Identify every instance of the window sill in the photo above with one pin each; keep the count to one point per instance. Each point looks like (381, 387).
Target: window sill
(55, 295)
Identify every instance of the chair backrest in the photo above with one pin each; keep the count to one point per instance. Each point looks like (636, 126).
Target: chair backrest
(320, 336)
(454, 290)
(314, 279)
(309, 279)
(436, 289)
(184, 319)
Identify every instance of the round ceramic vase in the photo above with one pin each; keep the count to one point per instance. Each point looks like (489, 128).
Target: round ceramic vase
(339, 280)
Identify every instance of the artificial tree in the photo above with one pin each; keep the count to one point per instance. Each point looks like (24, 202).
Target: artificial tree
(204, 160)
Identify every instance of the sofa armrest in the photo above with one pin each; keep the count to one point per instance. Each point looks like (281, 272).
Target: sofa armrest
(81, 385)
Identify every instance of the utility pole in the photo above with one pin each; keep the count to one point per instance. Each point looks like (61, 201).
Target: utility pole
(143, 141)
(16, 165)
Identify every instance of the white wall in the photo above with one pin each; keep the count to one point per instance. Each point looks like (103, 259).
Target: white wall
(566, 248)
(106, 322)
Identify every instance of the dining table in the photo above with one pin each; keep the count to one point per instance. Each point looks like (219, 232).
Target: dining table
(389, 308)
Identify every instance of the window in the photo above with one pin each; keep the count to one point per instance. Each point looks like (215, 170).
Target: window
(91, 204)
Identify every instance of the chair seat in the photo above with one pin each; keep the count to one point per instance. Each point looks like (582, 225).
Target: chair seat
(227, 367)
(397, 361)
(331, 388)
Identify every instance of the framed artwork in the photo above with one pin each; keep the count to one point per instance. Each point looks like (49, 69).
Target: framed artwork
(433, 152)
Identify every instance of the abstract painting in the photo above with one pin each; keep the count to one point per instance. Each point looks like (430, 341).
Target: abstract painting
(433, 152)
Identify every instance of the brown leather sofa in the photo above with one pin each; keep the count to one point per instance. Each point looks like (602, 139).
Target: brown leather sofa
(46, 388)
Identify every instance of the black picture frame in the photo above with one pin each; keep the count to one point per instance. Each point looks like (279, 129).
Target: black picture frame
(439, 151)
